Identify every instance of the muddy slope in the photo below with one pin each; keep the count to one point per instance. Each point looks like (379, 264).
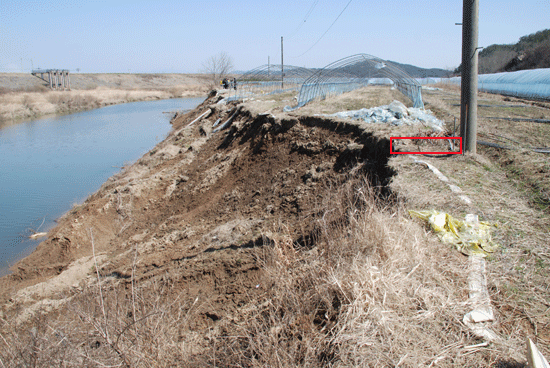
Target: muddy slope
(193, 208)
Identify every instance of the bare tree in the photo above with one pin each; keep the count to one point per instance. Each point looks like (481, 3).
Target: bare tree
(218, 67)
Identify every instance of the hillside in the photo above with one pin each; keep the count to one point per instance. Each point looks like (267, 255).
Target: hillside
(417, 72)
(366, 69)
(530, 52)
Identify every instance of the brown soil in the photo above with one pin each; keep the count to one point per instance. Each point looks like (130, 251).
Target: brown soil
(195, 212)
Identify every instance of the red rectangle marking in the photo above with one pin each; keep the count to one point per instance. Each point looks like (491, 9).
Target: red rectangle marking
(423, 153)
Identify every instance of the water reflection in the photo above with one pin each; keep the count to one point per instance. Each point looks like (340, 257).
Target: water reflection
(48, 165)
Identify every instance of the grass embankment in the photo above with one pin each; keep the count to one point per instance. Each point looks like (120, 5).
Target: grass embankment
(26, 97)
(333, 273)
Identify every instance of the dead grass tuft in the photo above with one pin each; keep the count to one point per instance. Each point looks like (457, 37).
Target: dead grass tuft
(115, 328)
(364, 289)
(404, 295)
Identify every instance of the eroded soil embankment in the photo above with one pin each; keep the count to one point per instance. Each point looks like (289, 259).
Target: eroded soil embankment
(193, 209)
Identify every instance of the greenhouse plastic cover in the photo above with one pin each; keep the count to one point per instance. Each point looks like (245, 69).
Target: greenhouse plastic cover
(395, 113)
(524, 83)
(534, 83)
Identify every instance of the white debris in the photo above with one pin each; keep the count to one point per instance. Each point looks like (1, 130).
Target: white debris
(479, 319)
(534, 356)
(398, 109)
(443, 178)
(426, 88)
(395, 113)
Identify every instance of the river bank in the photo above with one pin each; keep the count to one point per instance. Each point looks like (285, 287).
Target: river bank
(48, 165)
(284, 240)
(23, 96)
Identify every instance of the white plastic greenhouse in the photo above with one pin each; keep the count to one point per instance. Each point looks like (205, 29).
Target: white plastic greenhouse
(534, 83)
(524, 83)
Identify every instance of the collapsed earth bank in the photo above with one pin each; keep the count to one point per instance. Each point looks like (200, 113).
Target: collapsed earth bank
(193, 213)
(201, 199)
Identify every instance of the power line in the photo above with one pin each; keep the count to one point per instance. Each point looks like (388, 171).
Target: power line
(305, 18)
(323, 35)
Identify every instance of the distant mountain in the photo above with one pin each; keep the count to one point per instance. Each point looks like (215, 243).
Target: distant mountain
(367, 68)
(363, 68)
(417, 72)
(530, 52)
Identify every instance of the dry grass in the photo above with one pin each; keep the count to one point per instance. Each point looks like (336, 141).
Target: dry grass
(114, 328)
(22, 105)
(509, 187)
(365, 97)
(367, 290)
(406, 294)
(527, 169)
(23, 96)
(28, 89)
(447, 86)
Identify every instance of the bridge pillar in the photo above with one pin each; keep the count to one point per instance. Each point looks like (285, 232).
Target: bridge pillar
(58, 79)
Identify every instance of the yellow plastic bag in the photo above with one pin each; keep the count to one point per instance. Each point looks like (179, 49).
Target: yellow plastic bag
(469, 236)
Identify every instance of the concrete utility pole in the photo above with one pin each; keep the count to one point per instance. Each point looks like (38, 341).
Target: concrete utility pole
(282, 66)
(468, 99)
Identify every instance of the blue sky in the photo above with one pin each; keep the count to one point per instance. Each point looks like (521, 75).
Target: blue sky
(178, 36)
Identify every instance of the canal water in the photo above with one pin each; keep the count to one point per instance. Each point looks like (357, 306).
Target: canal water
(48, 165)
